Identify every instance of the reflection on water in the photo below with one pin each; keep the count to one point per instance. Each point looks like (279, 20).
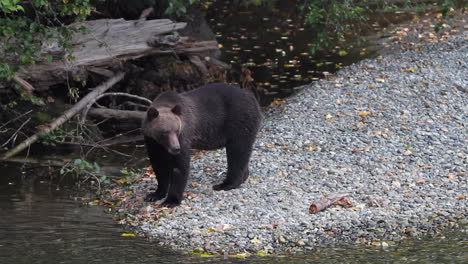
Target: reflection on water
(274, 45)
(41, 223)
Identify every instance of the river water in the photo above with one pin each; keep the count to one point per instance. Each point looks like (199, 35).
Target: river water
(46, 222)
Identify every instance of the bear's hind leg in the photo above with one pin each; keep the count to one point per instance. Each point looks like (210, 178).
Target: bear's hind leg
(238, 156)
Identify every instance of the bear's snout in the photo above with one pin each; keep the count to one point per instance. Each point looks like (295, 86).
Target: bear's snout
(173, 146)
(174, 151)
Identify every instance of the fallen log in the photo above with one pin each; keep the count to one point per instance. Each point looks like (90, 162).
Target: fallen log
(106, 113)
(109, 42)
(65, 116)
(331, 199)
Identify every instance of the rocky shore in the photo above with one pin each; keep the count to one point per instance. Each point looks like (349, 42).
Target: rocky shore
(390, 131)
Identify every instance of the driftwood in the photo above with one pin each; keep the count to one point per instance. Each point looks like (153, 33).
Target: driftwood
(116, 114)
(108, 42)
(65, 116)
(110, 111)
(331, 199)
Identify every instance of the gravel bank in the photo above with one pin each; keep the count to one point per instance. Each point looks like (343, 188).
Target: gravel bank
(390, 131)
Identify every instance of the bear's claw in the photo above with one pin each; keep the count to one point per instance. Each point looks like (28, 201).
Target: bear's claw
(224, 187)
(153, 197)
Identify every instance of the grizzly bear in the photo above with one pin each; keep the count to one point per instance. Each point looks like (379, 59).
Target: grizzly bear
(210, 117)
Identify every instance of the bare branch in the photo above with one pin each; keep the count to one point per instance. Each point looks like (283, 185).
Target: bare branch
(66, 115)
(16, 118)
(16, 132)
(85, 111)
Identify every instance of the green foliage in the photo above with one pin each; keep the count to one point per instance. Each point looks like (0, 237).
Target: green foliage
(131, 173)
(9, 6)
(81, 167)
(26, 27)
(334, 21)
(446, 6)
(55, 136)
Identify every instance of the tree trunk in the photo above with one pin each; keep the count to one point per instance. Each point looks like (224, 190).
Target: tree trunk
(109, 42)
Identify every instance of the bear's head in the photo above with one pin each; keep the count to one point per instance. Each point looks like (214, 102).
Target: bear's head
(164, 125)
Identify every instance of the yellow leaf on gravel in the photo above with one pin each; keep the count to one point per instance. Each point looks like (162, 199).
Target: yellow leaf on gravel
(380, 80)
(128, 235)
(211, 229)
(364, 113)
(240, 255)
(256, 241)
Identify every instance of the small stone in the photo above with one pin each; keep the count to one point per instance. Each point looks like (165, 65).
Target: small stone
(281, 239)
(300, 242)
(420, 180)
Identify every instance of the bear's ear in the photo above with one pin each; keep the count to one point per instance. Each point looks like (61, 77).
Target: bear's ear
(152, 113)
(177, 110)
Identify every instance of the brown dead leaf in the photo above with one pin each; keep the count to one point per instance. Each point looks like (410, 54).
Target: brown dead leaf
(343, 202)
(451, 176)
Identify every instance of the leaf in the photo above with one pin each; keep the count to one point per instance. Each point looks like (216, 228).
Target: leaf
(364, 113)
(342, 53)
(211, 229)
(256, 241)
(122, 181)
(128, 235)
(240, 255)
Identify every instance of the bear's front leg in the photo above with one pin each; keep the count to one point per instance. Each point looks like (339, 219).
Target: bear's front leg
(162, 164)
(163, 176)
(178, 179)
